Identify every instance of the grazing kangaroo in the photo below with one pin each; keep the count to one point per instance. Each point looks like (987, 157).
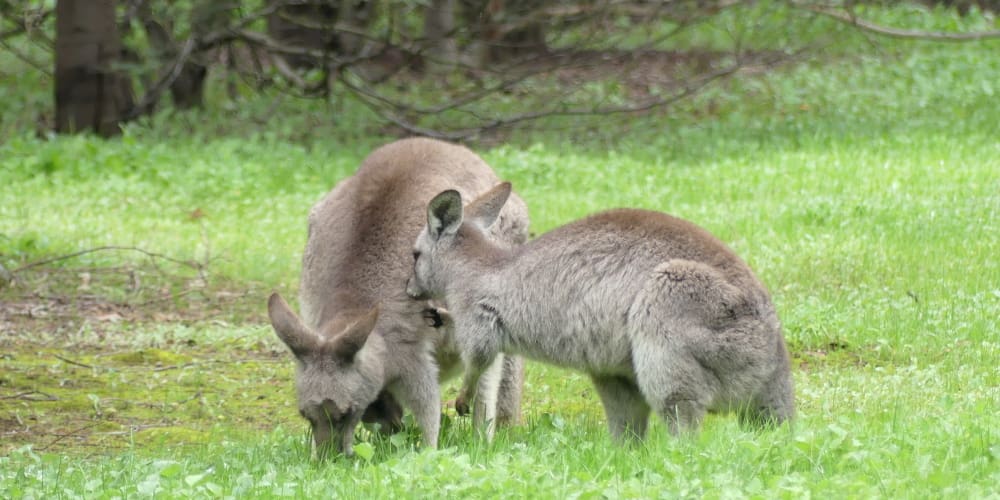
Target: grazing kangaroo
(362, 344)
(656, 310)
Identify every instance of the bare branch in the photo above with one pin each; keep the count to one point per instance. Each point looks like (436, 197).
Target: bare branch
(25, 58)
(77, 363)
(630, 8)
(553, 111)
(939, 36)
(288, 72)
(154, 255)
(152, 96)
(25, 395)
(16, 30)
(260, 39)
(68, 434)
(28, 23)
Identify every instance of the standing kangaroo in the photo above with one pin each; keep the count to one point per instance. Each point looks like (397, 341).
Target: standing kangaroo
(656, 310)
(362, 343)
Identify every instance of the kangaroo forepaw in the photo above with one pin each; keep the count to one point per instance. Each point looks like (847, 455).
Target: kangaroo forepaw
(462, 406)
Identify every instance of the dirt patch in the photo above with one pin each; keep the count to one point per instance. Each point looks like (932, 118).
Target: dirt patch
(81, 373)
(61, 300)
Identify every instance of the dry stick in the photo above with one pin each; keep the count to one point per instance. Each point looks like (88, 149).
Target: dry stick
(173, 296)
(68, 434)
(937, 36)
(685, 91)
(77, 363)
(12, 32)
(21, 395)
(25, 58)
(25, 25)
(213, 362)
(191, 264)
(153, 95)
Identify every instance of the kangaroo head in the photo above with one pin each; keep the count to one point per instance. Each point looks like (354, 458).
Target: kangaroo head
(445, 216)
(336, 382)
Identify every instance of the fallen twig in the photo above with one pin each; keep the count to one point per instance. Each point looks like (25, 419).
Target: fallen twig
(215, 361)
(77, 363)
(68, 434)
(193, 265)
(153, 95)
(851, 18)
(23, 395)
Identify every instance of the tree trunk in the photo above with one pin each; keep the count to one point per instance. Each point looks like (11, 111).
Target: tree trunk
(503, 29)
(439, 25)
(90, 94)
(310, 25)
(282, 27)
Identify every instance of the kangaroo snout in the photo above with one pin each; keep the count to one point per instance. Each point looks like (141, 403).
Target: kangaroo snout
(414, 291)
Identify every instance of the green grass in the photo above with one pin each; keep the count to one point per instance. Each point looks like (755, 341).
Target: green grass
(865, 193)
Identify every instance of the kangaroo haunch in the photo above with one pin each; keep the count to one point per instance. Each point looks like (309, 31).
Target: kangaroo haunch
(660, 313)
(362, 344)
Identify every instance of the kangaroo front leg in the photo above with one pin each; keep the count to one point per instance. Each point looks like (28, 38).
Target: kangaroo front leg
(478, 340)
(484, 389)
(484, 413)
(479, 390)
(420, 392)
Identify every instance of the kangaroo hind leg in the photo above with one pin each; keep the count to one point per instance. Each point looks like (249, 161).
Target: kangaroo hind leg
(624, 406)
(677, 389)
(670, 325)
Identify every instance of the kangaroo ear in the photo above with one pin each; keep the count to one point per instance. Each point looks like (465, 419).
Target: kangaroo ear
(484, 210)
(289, 328)
(347, 343)
(444, 214)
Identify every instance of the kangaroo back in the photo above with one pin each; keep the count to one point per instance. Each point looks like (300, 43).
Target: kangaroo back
(361, 233)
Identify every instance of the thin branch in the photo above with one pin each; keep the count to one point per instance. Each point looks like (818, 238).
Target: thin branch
(260, 39)
(341, 28)
(24, 395)
(77, 363)
(512, 74)
(25, 58)
(154, 255)
(937, 36)
(152, 96)
(687, 90)
(171, 297)
(215, 362)
(28, 23)
(68, 434)
(282, 66)
(16, 30)
(653, 10)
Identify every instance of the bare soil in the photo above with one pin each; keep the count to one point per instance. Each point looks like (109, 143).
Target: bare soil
(88, 364)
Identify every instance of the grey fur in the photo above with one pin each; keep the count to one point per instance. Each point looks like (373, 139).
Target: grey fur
(362, 343)
(660, 313)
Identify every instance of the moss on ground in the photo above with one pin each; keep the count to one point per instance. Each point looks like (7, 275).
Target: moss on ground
(82, 400)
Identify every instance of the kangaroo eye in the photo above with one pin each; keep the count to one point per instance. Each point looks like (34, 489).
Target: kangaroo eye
(416, 254)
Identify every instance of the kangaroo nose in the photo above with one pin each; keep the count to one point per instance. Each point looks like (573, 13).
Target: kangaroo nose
(413, 291)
